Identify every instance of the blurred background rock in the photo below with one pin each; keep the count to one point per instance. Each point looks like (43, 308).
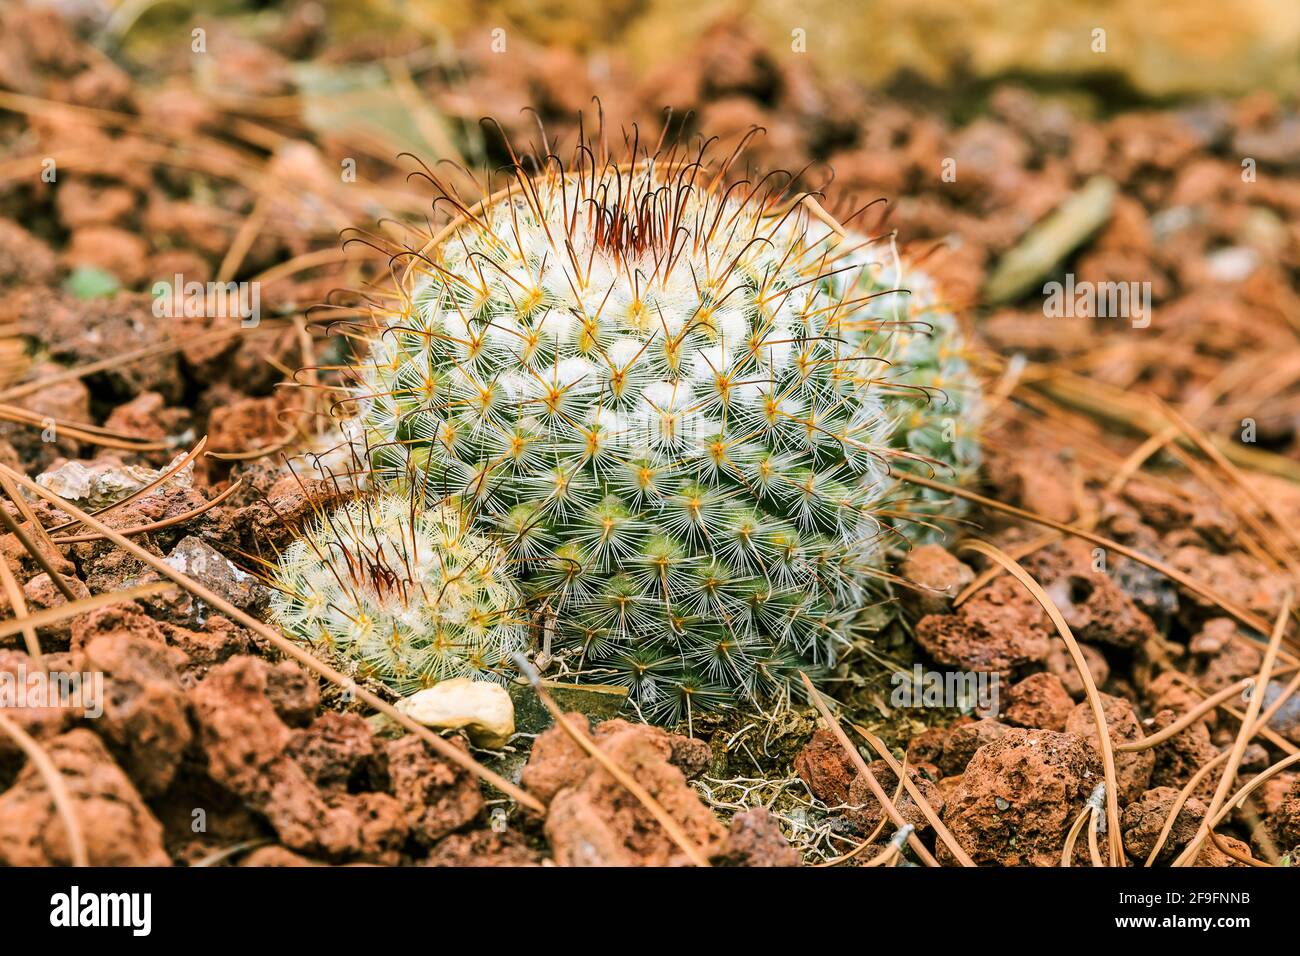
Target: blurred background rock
(1156, 48)
(1171, 126)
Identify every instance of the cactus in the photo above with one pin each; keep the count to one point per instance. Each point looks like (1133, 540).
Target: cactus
(403, 596)
(674, 404)
(936, 392)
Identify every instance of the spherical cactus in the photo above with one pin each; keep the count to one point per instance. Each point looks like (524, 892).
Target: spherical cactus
(936, 392)
(403, 596)
(672, 401)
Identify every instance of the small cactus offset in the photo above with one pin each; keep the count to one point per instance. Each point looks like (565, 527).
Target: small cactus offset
(403, 596)
(674, 402)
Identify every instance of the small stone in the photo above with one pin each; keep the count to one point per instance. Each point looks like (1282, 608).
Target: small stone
(1061, 663)
(926, 748)
(591, 819)
(964, 740)
(1001, 628)
(1043, 777)
(1098, 611)
(41, 594)
(755, 839)
(1039, 701)
(1233, 264)
(1212, 856)
(145, 719)
(436, 796)
(1287, 719)
(118, 827)
(337, 752)
(103, 483)
(483, 709)
(866, 810)
(1133, 768)
(1145, 818)
(277, 856)
(938, 576)
(293, 692)
(1254, 759)
(825, 768)
(479, 848)
(1284, 822)
(1215, 635)
(1179, 757)
(196, 558)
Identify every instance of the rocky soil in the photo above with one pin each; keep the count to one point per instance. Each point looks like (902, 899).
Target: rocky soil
(212, 749)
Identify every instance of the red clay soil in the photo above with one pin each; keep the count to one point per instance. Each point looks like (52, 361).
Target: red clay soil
(210, 744)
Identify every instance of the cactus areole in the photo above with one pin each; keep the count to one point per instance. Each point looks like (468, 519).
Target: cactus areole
(674, 400)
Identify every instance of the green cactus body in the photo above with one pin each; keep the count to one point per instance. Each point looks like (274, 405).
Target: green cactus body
(674, 406)
(935, 394)
(407, 597)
